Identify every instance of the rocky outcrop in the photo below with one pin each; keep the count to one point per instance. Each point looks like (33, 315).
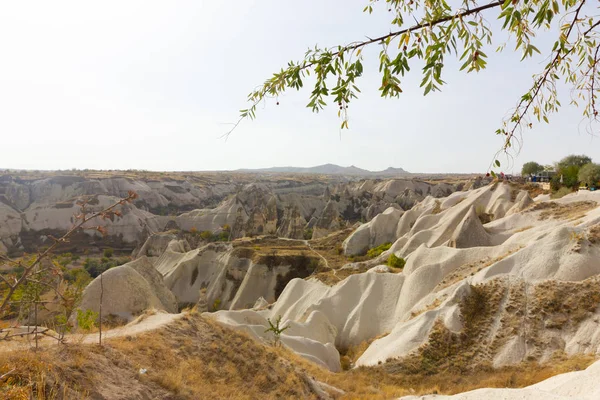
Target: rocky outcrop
(530, 277)
(470, 232)
(231, 277)
(155, 245)
(32, 210)
(381, 229)
(328, 222)
(128, 291)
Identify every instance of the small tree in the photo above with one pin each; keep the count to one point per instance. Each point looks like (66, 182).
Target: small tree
(276, 329)
(590, 174)
(108, 252)
(573, 160)
(531, 168)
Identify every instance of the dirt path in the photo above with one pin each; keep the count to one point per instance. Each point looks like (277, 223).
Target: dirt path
(143, 323)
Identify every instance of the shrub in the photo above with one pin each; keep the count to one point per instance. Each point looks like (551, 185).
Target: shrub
(206, 235)
(76, 274)
(396, 262)
(222, 236)
(108, 252)
(437, 208)
(590, 174)
(308, 233)
(95, 267)
(86, 320)
(64, 259)
(563, 191)
(376, 251)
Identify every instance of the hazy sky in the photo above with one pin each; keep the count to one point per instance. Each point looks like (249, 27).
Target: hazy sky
(151, 84)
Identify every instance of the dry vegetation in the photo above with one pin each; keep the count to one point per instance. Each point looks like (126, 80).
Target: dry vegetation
(534, 190)
(555, 210)
(469, 269)
(594, 234)
(191, 359)
(197, 358)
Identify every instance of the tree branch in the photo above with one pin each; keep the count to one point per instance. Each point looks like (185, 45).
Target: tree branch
(415, 27)
(540, 82)
(262, 93)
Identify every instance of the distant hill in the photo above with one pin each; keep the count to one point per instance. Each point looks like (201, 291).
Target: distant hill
(331, 169)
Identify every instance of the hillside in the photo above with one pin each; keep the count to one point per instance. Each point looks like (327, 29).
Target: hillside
(332, 169)
(34, 205)
(196, 358)
(485, 287)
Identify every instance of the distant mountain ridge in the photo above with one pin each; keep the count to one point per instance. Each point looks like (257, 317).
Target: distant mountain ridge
(330, 169)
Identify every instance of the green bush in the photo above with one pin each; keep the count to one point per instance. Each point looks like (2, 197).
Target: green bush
(95, 267)
(108, 252)
(77, 274)
(206, 235)
(590, 174)
(376, 251)
(86, 320)
(563, 191)
(222, 236)
(396, 262)
(308, 233)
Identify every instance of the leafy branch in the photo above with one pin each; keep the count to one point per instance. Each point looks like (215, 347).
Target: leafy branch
(462, 31)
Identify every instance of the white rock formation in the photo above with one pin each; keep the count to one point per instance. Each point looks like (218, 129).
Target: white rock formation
(380, 230)
(523, 252)
(231, 279)
(129, 290)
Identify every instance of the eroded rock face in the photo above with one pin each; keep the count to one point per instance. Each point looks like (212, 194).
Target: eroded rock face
(524, 277)
(381, 229)
(231, 278)
(32, 210)
(470, 232)
(129, 290)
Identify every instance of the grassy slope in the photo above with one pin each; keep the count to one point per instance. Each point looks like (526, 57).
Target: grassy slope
(197, 358)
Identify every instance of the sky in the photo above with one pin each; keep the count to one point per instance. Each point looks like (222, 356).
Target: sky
(153, 85)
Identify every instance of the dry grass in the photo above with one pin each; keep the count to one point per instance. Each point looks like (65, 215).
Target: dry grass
(431, 306)
(197, 358)
(192, 358)
(566, 303)
(555, 210)
(437, 208)
(349, 356)
(594, 234)
(382, 383)
(466, 270)
(534, 190)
